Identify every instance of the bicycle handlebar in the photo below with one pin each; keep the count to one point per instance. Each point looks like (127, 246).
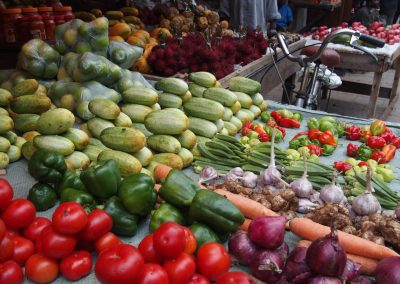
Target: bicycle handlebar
(302, 59)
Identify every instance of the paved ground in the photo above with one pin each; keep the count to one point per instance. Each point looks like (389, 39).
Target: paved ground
(352, 104)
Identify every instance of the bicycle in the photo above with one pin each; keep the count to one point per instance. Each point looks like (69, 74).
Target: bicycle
(316, 62)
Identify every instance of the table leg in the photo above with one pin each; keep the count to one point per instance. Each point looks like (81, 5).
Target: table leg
(394, 95)
(376, 85)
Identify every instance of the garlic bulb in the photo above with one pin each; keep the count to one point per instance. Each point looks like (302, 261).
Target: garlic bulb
(331, 193)
(302, 187)
(366, 203)
(249, 179)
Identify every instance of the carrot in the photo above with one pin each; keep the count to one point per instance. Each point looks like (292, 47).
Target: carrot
(245, 225)
(161, 171)
(311, 231)
(249, 208)
(368, 265)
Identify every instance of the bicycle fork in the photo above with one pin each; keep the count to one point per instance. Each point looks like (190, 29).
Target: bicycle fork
(309, 90)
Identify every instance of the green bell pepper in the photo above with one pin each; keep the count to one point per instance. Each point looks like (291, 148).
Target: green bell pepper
(265, 116)
(47, 166)
(351, 161)
(341, 128)
(328, 149)
(298, 142)
(102, 181)
(165, 213)
(203, 234)
(328, 118)
(43, 196)
(293, 154)
(178, 189)
(325, 125)
(387, 174)
(124, 223)
(215, 211)
(364, 152)
(70, 179)
(74, 195)
(137, 194)
(278, 134)
(313, 123)
(297, 116)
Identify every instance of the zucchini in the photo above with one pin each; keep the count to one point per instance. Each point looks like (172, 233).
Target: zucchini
(167, 121)
(123, 139)
(167, 100)
(202, 127)
(140, 95)
(187, 139)
(104, 108)
(172, 85)
(164, 144)
(245, 85)
(224, 96)
(136, 113)
(204, 108)
(204, 79)
(244, 99)
(127, 163)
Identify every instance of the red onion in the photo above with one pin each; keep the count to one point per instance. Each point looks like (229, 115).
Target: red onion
(326, 256)
(362, 280)
(241, 247)
(267, 266)
(268, 231)
(302, 278)
(351, 271)
(283, 250)
(296, 263)
(324, 280)
(388, 271)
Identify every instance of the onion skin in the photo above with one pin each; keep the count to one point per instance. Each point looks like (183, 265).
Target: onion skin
(267, 265)
(241, 247)
(362, 280)
(302, 278)
(268, 231)
(283, 250)
(296, 263)
(388, 271)
(325, 280)
(351, 271)
(326, 256)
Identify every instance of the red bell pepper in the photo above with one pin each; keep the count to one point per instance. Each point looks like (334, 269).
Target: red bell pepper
(299, 134)
(289, 123)
(365, 134)
(396, 142)
(377, 127)
(281, 129)
(352, 150)
(271, 123)
(276, 115)
(259, 129)
(375, 142)
(379, 156)
(388, 135)
(314, 133)
(248, 125)
(352, 133)
(263, 137)
(327, 137)
(342, 166)
(245, 131)
(390, 151)
(315, 149)
(363, 163)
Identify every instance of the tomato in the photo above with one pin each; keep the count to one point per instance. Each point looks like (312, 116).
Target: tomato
(85, 245)
(235, 277)
(3, 230)
(106, 241)
(55, 244)
(6, 249)
(6, 193)
(181, 269)
(190, 241)
(120, 264)
(213, 260)
(69, 218)
(23, 249)
(19, 214)
(10, 273)
(99, 223)
(199, 279)
(146, 248)
(153, 273)
(34, 229)
(169, 240)
(12, 233)
(41, 269)
(76, 265)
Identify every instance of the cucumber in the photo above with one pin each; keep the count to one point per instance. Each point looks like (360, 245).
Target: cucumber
(186, 156)
(232, 130)
(30, 104)
(187, 139)
(156, 106)
(4, 112)
(104, 108)
(257, 99)
(144, 155)
(245, 85)
(77, 161)
(167, 121)
(123, 120)
(236, 121)
(28, 136)
(204, 108)
(19, 142)
(187, 96)
(224, 96)
(256, 110)
(28, 149)
(127, 163)
(14, 153)
(172, 85)
(142, 128)
(25, 122)
(54, 143)
(140, 95)
(220, 124)
(5, 98)
(236, 107)
(93, 152)
(82, 110)
(244, 99)
(169, 159)
(196, 90)
(97, 125)
(136, 113)
(204, 79)
(6, 124)
(98, 143)
(4, 160)
(202, 127)
(167, 100)
(164, 144)
(55, 121)
(250, 113)
(4, 144)
(227, 114)
(124, 139)
(78, 137)
(224, 131)
(263, 106)
(244, 116)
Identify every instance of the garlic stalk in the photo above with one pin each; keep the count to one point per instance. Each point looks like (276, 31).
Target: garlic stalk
(366, 203)
(331, 193)
(302, 187)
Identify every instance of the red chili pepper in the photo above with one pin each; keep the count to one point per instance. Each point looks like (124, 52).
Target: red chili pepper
(375, 142)
(327, 137)
(263, 137)
(299, 134)
(314, 133)
(352, 150)
(388, 135)
(248, 125)
(245, 131)
(281, 129)
(276, 115)
(271, 123)
(342, 166)
(364, 135)
(378, 156)
(289, 123)
(396, 142)
(363, 163)
(390, 151)
(352, 133)
(315, 149)
(259, 129)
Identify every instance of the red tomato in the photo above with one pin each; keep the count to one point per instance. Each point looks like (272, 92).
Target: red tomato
(6, 249)
(235, 277)
(199, 279)
(119, 264)
(169, 240)
(153, 273)
(6, 193)
(213, 260)
(76, 265)
(34, 229)
(55, 244)
(10, 273)
(69, 218)
(19, 214)
(12, 233)
(41, 269)
(146, 248)
(99, 223)
(190, 241)
(23, 249)
(3, 230)
(181, 269)
(107, 241)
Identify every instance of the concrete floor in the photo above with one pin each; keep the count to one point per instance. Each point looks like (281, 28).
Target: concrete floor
(352, 104)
